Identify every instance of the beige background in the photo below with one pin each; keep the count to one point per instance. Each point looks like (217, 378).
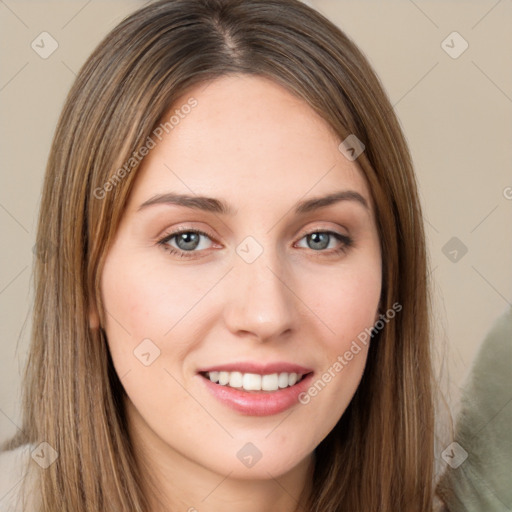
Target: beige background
(456, 114)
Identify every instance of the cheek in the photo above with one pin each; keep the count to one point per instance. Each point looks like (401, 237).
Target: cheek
(152, 322)
(345, 300)
(144, 301)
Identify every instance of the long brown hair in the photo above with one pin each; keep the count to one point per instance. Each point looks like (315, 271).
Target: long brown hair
(380, 455)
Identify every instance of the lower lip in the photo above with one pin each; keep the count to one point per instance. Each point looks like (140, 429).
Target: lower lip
(258, 403)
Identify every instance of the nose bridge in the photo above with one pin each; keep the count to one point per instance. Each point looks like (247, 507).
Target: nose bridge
(258, 300)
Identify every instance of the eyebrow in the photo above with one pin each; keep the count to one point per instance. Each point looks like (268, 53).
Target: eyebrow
(211, 204)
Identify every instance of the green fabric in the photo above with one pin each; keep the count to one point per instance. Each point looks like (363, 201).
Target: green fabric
(483, 482)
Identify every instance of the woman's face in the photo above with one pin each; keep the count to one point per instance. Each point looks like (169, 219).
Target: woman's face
(274, 286)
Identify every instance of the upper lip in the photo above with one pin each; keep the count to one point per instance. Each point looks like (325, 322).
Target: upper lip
(258, 368)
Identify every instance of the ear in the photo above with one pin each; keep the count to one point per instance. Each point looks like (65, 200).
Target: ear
(94, 319)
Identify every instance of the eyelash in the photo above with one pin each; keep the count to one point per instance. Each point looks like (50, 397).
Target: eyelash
(347, 243)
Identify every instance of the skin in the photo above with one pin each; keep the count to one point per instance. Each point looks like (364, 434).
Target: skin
(259, 148)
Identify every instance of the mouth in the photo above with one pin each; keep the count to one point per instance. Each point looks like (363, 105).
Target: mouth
(255, 389)
(254, 382)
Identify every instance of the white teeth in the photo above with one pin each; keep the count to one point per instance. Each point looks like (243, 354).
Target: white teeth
(254, 381)
(283, 380)
(269, 382)
(235, 380)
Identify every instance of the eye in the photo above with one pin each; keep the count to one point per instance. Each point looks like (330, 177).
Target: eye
(187, 241)
(320, 240)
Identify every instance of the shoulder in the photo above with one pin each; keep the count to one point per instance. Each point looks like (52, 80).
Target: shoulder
(14, 475)
(480, 477)
(487, 391)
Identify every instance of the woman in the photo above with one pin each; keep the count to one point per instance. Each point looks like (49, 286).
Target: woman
(197, 344)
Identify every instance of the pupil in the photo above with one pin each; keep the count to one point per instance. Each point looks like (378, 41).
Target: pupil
(191, 240)
(320, 240)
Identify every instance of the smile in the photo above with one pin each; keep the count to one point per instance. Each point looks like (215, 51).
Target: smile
(254, 381)
(254, 389)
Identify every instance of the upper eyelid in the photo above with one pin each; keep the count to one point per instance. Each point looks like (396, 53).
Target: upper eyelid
(305, 232)
(168, 237)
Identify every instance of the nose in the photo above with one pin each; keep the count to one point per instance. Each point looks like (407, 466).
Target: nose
(260, 302)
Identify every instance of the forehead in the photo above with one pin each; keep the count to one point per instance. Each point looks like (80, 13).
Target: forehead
(248, 139)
